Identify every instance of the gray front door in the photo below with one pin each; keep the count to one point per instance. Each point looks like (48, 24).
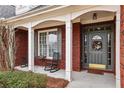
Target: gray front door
(98, 46)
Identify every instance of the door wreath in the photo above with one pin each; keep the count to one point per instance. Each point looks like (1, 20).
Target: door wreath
(97, 45)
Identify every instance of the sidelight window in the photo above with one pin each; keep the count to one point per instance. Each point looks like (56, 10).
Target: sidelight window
(109, 49)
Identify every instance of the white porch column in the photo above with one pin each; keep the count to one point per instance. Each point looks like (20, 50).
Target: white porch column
(118, 48)
(30, 48)
(68, 47)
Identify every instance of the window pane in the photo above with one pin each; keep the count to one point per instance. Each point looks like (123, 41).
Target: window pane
(53, 44)
(43, 45)
(97, 37)
(59, 42)
(109, 49)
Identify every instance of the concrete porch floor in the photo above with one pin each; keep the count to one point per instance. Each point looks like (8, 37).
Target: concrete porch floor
(80, 79)
(88, 80)
(40, 69)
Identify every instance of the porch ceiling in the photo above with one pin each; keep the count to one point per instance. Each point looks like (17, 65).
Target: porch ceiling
(51, 13)
(101, 16)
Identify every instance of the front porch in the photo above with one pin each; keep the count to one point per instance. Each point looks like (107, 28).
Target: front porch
(79, 79)
(69, 42)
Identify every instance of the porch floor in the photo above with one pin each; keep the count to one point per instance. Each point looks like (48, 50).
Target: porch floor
(80, 79)
(87, 80)
(40, 69)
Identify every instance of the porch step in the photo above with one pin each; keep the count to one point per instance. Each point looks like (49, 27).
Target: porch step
(95, 71)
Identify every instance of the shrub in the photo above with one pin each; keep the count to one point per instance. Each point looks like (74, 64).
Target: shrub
(19, 79)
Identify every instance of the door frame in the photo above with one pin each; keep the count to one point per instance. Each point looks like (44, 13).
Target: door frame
(114, 31)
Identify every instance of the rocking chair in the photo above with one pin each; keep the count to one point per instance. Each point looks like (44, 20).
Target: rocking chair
(53, 66)
(24, 62)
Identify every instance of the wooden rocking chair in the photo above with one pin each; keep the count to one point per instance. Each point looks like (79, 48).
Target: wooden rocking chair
(53, 66)
(24, 62)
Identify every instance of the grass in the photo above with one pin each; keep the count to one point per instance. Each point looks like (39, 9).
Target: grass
(19, 79)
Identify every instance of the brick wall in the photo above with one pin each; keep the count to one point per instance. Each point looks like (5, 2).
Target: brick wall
(22, 39)
(122, 46)
(76, 47)
(22, 47)
(63, 47)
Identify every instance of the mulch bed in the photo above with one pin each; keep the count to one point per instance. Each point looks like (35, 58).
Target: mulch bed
(56, 83)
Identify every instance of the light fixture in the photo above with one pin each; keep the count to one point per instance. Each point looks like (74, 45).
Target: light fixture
(94, 16)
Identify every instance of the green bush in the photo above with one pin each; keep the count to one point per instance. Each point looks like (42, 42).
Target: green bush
(18, 79)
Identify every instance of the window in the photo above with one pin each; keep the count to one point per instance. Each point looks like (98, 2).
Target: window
(109, 49)
(49, 42)
(97, 43)
(96, 37)
(43, 44)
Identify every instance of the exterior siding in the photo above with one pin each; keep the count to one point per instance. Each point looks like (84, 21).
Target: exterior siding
(7, 11)
(122, 47)
(22, 47)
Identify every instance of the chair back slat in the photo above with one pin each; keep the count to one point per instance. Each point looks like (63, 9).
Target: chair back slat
(56, 56)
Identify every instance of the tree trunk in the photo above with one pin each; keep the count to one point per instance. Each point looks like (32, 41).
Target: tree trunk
(7, 47)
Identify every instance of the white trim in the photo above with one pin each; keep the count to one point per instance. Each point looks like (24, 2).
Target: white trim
(47, 44)
(47, 31)
(30, 48)
(21, 17)
(68, 48)
(118, 81)
(38, 44)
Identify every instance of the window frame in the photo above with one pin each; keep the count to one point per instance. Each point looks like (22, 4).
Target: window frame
(47, 42)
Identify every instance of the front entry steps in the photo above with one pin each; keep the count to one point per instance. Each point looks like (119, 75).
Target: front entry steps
(95, 71)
